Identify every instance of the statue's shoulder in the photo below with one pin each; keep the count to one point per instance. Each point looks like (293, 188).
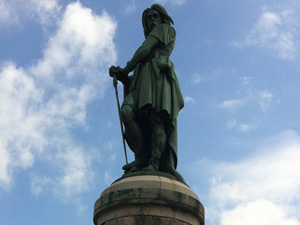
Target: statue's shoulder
(164, 32)
(164, 28)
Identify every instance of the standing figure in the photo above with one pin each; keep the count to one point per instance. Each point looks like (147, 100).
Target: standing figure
(152, 97)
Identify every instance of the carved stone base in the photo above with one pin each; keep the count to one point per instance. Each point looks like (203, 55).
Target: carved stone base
(148, 200)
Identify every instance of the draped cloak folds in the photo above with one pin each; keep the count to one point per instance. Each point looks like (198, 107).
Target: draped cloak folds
(154, 86)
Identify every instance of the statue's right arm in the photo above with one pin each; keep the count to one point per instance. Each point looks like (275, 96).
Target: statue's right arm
(119, 73)
(141, 52)
(139, 55)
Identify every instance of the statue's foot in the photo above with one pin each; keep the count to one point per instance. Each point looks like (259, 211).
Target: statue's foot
(133, 167)
(128, 166)
(176, 174)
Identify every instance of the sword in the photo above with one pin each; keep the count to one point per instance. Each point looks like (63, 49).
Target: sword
(115, 83)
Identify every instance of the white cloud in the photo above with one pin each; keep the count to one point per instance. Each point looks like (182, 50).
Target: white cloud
(5, 174)
(81, 42)
(274, 31)
(68, 105)
(262, 189)
(77, 173)
(73, 173)
(259, 212)
(18, 121)
(42, 105)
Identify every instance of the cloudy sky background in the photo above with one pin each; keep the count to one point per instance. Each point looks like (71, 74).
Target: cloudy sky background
(238, 66)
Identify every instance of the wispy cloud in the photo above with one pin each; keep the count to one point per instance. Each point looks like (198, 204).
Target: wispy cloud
(243, 127)
(46, 10)
(130, 7)
(263, 188)
(188, 99)
(7, 14)
(246, 80)
(173, 2)
(198, 78)
(273, 30)
(108, 178)
(40, 106)
(232, 104)
(42, 11)
(264, 99)
(41, 183)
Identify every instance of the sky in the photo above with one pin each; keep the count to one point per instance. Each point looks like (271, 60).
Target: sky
(238, 67)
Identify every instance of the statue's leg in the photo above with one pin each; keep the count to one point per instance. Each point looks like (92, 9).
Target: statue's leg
(158, 142)
(134, 137)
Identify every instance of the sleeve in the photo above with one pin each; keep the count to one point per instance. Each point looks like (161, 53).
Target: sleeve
(164, 33)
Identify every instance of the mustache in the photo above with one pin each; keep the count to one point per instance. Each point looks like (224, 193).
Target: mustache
(152, 24)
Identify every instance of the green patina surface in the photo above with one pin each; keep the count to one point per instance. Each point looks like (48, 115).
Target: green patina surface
(152, 98)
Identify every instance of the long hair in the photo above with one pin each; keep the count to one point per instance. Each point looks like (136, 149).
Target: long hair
(163, 14)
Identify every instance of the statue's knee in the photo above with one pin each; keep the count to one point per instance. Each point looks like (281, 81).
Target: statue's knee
(127, 113)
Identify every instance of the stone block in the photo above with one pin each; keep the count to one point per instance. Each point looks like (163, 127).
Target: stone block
(145, 200)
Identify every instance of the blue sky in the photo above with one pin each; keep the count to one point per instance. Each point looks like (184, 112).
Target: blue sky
(238, 66)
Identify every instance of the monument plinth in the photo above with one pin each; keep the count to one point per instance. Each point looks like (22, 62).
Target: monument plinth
(148, 200)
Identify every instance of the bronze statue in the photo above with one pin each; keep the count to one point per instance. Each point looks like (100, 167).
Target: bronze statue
(152, 97)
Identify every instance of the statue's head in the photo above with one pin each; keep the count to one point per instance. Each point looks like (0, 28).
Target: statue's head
(154, 16)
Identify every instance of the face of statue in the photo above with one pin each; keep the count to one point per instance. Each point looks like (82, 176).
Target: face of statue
(153, 19)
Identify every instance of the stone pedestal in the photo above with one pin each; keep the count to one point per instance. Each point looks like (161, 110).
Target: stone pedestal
(148, 200)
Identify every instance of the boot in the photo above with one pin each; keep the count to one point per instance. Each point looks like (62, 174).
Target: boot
(138, 164)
